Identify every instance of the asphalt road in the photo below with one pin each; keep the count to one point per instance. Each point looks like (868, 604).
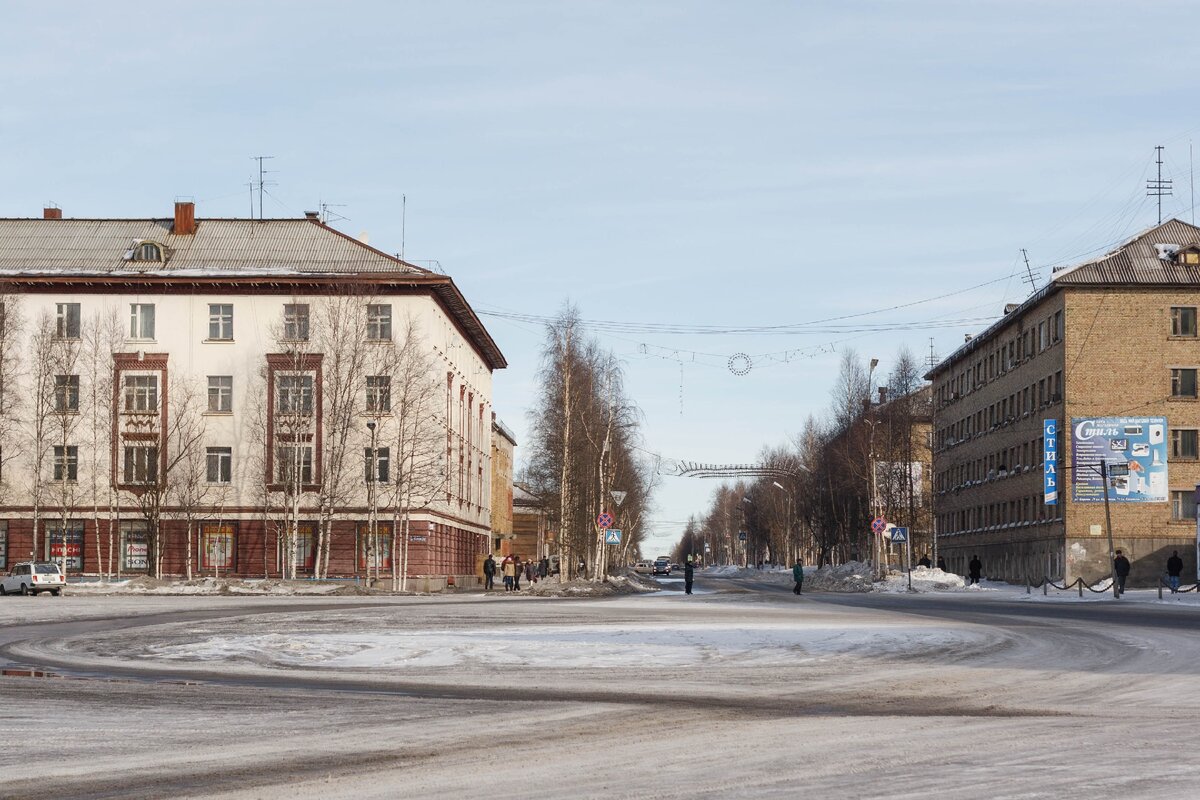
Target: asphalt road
(747, 691)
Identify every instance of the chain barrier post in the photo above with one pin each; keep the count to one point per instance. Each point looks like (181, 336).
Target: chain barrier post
(1160, 583)
(1046, 587)
(1079, 582)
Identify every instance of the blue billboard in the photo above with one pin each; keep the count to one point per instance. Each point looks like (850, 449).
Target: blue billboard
(1050, 461)
(1136, 444)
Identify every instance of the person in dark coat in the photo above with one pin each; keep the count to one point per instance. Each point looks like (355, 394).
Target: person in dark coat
(1121, 567)
(689, 572)
(941, 564)
(1174, 567)
(925, 562)
(974, 570)
(489, 572)
(518, 569)
(798, 576)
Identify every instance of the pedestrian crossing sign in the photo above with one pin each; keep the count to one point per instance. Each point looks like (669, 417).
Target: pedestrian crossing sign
(899, 535)
(612, 536)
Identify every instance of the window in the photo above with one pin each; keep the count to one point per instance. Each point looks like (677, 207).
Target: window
(379, 393)
(1183, 505)
(1184, 443)
(295, 322)
(66, 463)
(375, 551)
(1043, 337)
(141, 465)
(220, 393)
(135, 545)
(292, 462)
(295, 394)
(66, 393)
(1183, 321)
(379, 322)
(147, 251)
(67, 321)
(220, 464)
(141, 393)
(65, 545)
(3, 544)
(220, 322)
(218, 546)
(381, 463)
(141, 321)
(1189, 257)
(1183, 382)
(304, 548)
(1056, 333)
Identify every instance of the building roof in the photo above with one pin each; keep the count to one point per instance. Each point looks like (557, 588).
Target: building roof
(1135, 262)
(37, 252)
(218, 245)
(499, 427)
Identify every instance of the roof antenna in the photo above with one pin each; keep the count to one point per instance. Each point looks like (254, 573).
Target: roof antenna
(933, 359)
(261, 183)
(403, 222)
(1192, 178)
(328, 216)
(1028, 272)
(1157, 187)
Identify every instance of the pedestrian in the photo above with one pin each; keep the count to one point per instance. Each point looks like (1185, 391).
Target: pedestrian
(582, 568)
(798, 576)
(506, 567)
(689, 572)
(941, 564)
(543, 568)
(517, 573)
(1174, 567)
(1121, 567)
(529, 573)
(489, 572)
(925, 562)
(974, 570)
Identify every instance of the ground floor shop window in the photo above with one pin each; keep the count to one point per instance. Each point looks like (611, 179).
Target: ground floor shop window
(218, 546)
(304, 548)
(375, 550)
(3, 545)
(135, 546)
(65, 544)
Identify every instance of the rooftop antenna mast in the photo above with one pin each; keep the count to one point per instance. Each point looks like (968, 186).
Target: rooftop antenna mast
(1028, 271)
(933, 359)
(261, 182)
(1158, 187)
(328, 216)
(403, 222)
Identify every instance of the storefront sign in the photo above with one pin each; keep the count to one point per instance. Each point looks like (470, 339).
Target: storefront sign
(1050, 461)
(1136, 443)
(68, 547)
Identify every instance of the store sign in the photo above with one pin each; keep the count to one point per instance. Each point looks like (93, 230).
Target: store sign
(68, 546)
(1050, 461)
(137, 551)
(1136, 444)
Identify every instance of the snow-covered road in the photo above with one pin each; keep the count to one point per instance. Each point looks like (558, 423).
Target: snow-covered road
(745, 692)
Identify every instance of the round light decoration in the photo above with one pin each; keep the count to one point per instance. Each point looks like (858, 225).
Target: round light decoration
(740, 364)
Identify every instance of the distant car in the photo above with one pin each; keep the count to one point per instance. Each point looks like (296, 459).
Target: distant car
(675, 567)
(662, 566)
(643, 567)
(33, 577)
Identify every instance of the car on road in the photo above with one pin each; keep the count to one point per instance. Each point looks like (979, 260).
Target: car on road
(33, 577)
(662, 566)
(643, 567)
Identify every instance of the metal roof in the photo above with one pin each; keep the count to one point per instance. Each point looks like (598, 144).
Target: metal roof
(225, 245)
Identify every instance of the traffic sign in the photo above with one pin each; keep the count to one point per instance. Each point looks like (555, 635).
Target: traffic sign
(612, 536)
(605, 520)
(618, 496)
(879, 525)
(741, 536)
(899, 535)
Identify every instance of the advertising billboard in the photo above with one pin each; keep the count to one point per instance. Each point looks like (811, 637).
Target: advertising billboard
(1136, 443)
(1050, 461)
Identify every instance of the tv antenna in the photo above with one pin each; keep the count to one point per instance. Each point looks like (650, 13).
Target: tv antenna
(1029, 278)
(328, 216)
(262, 183)
(933, 359)
(403, 222)
(1157, 187)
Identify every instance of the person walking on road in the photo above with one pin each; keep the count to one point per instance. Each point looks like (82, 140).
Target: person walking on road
(1121, 567)
(689, 572)
(506, 566)
(1174, 567)
(517, 567)
(925, 562)
(798, 576)
(974, 570)
(489, 572)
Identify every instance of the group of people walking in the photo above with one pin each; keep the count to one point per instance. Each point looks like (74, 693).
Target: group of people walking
(512, 569)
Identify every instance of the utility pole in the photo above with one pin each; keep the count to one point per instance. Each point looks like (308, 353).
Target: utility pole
(1112, 554)
(1158, 187)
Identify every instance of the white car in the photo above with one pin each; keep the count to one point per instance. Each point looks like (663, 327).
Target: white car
(642, 567)
(33, 577)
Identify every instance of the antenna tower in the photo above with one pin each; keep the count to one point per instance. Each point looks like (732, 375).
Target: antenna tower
(933, 359)
(1032, 281)
(261, 183)
(1157, 187)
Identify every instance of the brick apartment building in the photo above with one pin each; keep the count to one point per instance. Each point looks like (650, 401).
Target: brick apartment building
(258, 378)
(1114, 338)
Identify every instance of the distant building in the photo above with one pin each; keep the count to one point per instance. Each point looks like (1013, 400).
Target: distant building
(503, 445)
(531, 526)
(1103, 354)
(237, 397)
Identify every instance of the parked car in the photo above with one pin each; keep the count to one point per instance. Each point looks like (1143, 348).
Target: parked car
(33, 577)
(662, 566)
(643, 567)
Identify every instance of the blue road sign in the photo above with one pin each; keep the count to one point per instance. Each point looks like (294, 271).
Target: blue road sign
(899, 535)
(612, 536)
(741, 536)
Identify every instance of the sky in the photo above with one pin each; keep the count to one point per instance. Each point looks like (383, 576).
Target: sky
(872, 167)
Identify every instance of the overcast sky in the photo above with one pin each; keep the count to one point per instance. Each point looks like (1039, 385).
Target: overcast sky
(689, 163)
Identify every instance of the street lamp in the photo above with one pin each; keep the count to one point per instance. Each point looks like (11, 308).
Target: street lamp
(878, 540)
(373, 518)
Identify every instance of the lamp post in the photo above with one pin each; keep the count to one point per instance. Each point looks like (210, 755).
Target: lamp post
(791, 502)
(744, 535)
(877, 540)
(373, 518)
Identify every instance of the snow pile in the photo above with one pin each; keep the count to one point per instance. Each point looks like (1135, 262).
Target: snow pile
(616, 584)
(208, 586)
(924, 579)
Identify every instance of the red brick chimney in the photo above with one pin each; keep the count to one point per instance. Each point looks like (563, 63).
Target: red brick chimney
(185, 219)
(51, 213)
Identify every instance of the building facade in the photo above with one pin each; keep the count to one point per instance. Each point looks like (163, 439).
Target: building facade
(504, 444)
(237, 397)
(1110, 342)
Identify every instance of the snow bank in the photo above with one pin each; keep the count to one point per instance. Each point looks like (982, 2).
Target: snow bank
(209, 586)
(630, 583)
